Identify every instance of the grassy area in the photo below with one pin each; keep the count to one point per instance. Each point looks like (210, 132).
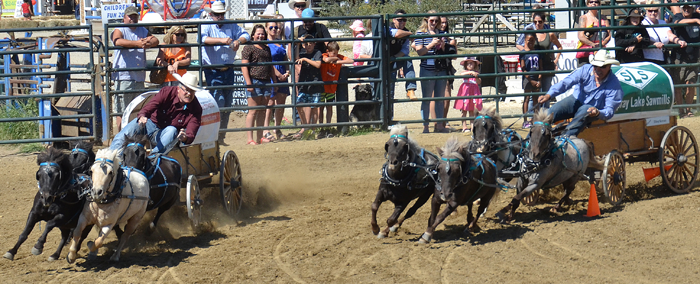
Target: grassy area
(22, 129)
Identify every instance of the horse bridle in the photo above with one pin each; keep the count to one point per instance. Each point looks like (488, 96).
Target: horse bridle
(45, 166)
(463, 179)
(545, 127)
(396, 138)
(486, 144)
(103, 162)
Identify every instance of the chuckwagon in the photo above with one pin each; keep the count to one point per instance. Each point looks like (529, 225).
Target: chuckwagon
(644, 129)
(200, 160)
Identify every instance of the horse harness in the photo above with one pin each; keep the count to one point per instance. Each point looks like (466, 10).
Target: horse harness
(75, 183)
(560, 144)
(468, 168)
(120, 182)
(413, 180)
(77, 150)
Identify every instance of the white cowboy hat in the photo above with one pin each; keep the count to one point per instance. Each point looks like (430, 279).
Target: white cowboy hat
(293, 2)
(602, 58)
(190, 81)
(216, 7)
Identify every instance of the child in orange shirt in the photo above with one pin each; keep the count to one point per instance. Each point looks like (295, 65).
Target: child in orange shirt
(330, 71)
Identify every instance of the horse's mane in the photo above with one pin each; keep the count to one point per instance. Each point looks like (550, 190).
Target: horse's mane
(138, 138)
(53, 155)
(85, 145)
(495, 117)
(110, 154)
(403, 130)
(453, 149)
(542, 115)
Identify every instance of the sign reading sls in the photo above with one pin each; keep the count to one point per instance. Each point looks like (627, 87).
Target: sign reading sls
(634, 77)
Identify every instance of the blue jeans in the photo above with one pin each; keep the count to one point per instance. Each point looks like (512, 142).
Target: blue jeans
(432, 88)
(157, 136)
(570, 107)
(223, 97)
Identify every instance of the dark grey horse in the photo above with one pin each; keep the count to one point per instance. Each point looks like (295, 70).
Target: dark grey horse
(463, 178)
(558, 160)
(406, 175)
(488, 136)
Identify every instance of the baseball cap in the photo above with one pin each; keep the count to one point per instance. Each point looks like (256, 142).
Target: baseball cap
(131, 10)
(307, 13)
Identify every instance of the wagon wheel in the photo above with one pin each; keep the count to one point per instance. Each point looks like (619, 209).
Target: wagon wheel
(614, 177)
(194, 202)
(230, 183)
(530, 200)
(678, 159)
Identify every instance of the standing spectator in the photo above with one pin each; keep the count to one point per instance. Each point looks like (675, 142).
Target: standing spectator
(330, 71)
(545, 41)
(310, 72)
(26, 11)
(358, 31)
(470, 87)
(450, 48)
(297, 6)
(310, 27)
(134, 41)
(591, 39)
(429, 68)
(400, 46)
(633, 38)
(690, 33)
(520, 41)
(221, 44)
(531, 83)
(279, 54)
(367, 45)
(175, 58)
(257, 77)
(657, 35)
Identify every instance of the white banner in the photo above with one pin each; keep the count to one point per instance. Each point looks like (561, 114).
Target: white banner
(113, 12)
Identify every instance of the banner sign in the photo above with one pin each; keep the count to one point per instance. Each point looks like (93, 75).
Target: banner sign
(259, 4)
(647, 89)
(239, 97)
(113, 13)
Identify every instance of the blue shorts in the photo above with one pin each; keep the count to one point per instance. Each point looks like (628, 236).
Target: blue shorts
(303, 98)
(258, 91)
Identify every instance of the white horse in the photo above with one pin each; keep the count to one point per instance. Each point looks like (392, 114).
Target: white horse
(118, 195)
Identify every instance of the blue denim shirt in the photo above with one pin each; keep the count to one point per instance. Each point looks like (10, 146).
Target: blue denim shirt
(606, 98)
(221, 54)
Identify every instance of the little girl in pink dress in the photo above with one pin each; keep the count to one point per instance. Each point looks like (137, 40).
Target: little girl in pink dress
(470, 87)
(358, 31)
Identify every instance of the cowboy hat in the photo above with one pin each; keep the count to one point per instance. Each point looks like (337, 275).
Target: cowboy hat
(470, 59)
(357, 26)
(216, 7)
(190, 81)
(602, 58)
(635, 13)
(294, 2)
(131, 10)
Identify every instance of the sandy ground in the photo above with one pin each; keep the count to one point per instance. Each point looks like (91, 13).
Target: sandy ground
(306, 220)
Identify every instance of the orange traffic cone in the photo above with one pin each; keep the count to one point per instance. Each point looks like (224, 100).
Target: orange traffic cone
(651, 173)
(593, 209)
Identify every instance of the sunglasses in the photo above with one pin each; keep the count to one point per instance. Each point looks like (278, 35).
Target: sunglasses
(218, 15)
(653, 11)
(308, 22)
(273, 28)
(538, 22)
(432, 21)
(401, 20)
(593, 2)
(301, 6)
(180, 34)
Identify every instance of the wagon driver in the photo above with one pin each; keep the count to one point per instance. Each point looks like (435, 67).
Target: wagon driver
(173, 113)
(597, 96)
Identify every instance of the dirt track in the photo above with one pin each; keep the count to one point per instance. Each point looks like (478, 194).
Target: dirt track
(306, 220)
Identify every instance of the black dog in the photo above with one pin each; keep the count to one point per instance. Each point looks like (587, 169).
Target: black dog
(364, 112)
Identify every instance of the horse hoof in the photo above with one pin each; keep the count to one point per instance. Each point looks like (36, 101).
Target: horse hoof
(70, 258)
(90, 244)
(36, 251)
(381, 236)
(114, 258)
(92, 256)
(425, 238)
(394, 228)
(9, 256)
(52, 258)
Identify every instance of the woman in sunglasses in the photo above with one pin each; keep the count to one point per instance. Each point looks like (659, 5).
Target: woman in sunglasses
(433, 45)
(657, 35)
(175, 58)
(279, 54)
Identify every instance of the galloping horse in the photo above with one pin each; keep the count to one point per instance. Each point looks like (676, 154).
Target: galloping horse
(81, 157)
(463, 177)
(117, 195)
(405, 177)
(164, 175)
(489, 135)
(558, 160)
(58, 201)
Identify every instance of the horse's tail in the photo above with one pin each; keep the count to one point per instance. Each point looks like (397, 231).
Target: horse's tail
(594, 161)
